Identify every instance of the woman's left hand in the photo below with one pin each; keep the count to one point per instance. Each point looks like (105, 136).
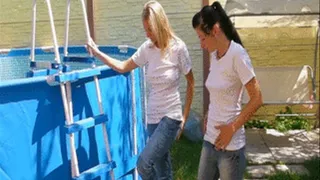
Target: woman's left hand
(225, 136)
(180, 130)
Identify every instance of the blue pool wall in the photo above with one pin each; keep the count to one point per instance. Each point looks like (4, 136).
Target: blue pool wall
(33, 142)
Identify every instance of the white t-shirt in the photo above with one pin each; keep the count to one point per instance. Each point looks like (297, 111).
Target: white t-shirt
(162, 77)
(225, 83)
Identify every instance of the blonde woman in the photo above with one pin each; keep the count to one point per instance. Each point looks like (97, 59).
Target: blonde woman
(166, 57)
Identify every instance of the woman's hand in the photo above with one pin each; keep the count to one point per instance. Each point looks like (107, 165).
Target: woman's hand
(225, 136)
(92, 48)
(115, 64)
(181, 129)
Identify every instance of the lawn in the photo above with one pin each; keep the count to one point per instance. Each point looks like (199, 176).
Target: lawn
(185, 158)
(313, 167)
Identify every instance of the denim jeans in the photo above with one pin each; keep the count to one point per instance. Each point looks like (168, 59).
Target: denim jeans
(154, 162)
(226, 165)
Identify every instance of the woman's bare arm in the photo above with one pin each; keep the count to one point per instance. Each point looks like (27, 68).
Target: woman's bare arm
(117, 65)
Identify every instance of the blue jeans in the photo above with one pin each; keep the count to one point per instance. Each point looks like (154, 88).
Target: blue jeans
(226, 165)
(154, 161)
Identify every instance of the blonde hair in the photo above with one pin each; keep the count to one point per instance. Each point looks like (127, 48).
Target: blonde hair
(154, 13)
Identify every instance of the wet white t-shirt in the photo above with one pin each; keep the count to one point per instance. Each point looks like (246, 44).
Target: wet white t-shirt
(225, 83)
(162, 77)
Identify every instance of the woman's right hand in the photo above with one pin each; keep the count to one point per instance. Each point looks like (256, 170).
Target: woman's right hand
(92, 48)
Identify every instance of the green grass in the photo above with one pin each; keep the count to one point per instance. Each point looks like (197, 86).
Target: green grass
(185, 159)
(313, 166)
(284, 176)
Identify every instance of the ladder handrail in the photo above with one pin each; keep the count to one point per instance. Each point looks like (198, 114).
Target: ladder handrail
(134, 119)
(53, 31)
(98, 91)
(66, 96)
(86, 24)
(66, 35)
(33, 32)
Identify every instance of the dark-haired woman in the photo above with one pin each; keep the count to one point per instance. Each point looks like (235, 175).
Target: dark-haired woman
(223, 151)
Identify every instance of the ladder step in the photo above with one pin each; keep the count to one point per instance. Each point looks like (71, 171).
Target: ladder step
(76, 75)
(96, 171)
(41, 72)
(86, 123)
(80, 59)
(40, 64)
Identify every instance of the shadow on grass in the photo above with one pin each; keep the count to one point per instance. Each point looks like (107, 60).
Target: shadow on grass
(185, 156)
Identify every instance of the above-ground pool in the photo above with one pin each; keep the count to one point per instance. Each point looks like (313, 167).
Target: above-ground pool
(34, 143)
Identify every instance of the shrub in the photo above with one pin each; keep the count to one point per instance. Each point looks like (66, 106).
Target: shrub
(285, 123)
(281, 123)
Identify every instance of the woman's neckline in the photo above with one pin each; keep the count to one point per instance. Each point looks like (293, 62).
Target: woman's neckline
(224, 54)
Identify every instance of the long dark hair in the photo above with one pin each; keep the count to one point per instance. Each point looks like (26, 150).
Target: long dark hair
(210, 15)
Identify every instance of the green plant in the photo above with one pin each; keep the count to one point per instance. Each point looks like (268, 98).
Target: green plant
(312, 165)
(185, 159)
(285, 176)
(260, 124)
(281, 123)
(285, 123)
